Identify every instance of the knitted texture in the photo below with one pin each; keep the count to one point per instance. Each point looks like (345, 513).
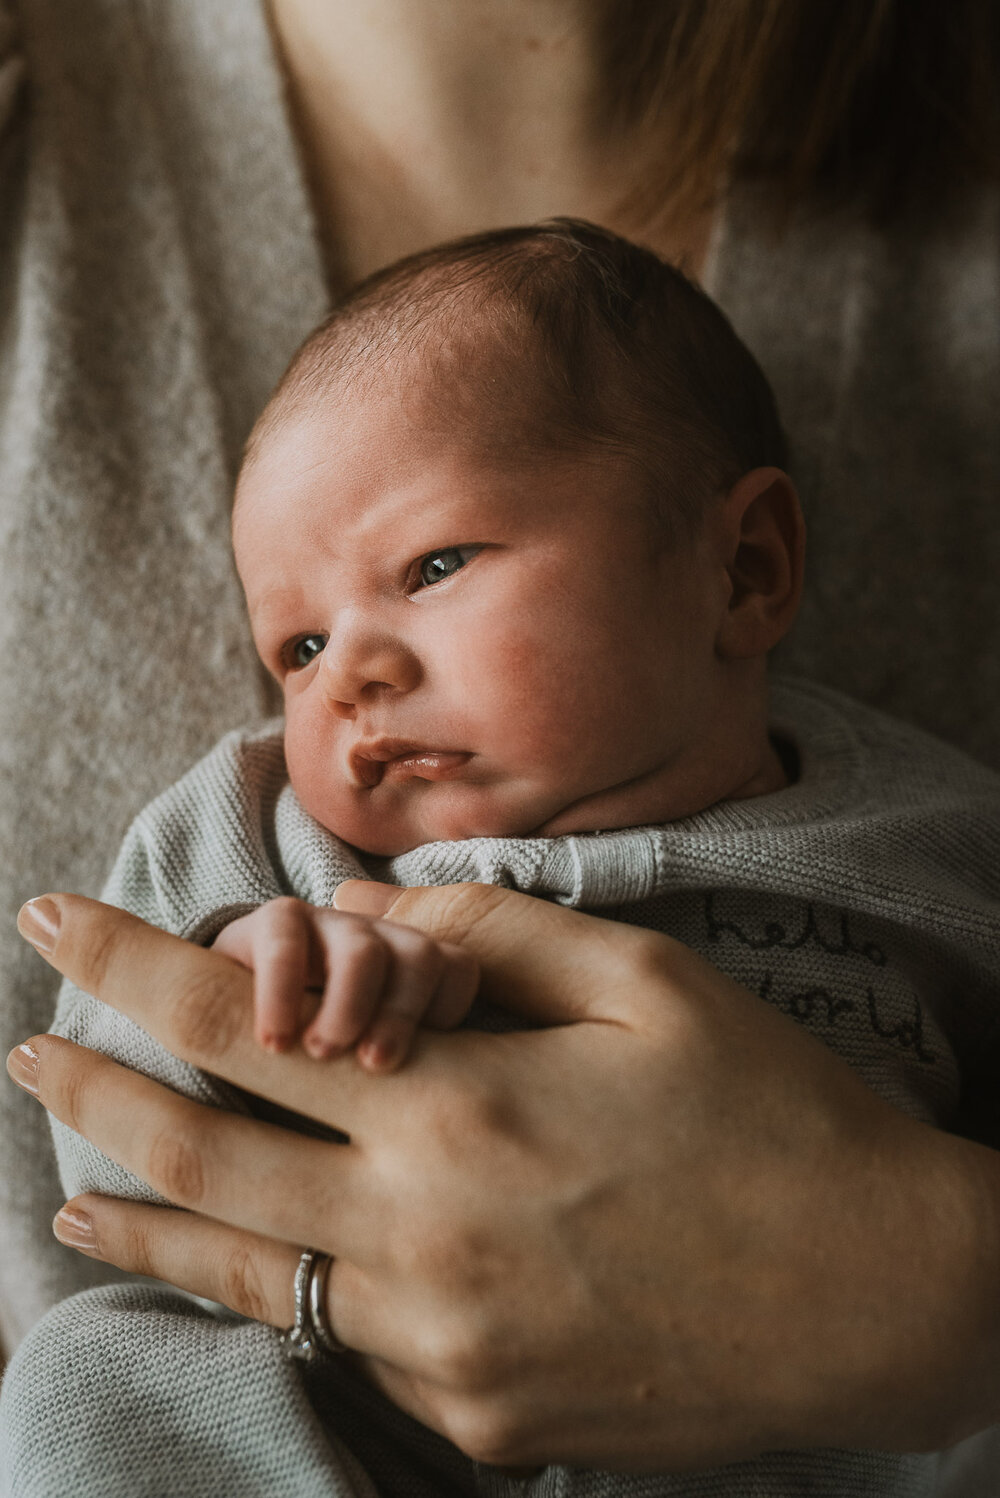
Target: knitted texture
(158, 265)
(131, 1392)
(863, 900)
(167, 1416)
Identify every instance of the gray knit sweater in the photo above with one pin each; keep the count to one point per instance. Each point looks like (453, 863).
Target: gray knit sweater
(864, 901)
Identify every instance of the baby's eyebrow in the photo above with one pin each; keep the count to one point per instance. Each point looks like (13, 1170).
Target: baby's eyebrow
(268, 609)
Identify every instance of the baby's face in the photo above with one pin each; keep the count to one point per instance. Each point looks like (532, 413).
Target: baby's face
(470, 646)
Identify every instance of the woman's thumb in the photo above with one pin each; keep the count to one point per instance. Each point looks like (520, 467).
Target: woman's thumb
(537, 959)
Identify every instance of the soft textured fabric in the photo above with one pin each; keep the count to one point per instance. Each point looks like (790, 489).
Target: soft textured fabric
(187, 1407)
(863, 900)
(158, 264)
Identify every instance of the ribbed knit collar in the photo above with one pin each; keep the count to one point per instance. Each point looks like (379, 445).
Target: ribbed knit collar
(600, 869)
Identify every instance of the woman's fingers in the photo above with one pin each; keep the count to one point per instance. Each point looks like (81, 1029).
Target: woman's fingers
(535, 958)
(248, 1272)
(251, 1174)
(196, 1003)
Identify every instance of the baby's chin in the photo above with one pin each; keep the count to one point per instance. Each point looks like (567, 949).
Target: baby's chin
(388, 820)
(381, 841)
(386, 831)
(386, 826)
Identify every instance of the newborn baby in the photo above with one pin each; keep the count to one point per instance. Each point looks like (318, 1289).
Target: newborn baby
(515, 549)
(517, 539)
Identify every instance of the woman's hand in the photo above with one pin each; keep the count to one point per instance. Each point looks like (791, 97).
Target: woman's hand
(671, 1231)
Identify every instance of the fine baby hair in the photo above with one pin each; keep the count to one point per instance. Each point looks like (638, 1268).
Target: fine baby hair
(570, 337)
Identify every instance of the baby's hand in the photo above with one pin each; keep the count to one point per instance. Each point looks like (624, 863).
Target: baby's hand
(375, 981)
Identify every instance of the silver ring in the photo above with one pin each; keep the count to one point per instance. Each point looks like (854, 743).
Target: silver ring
(325, 1334)
(312, 1335)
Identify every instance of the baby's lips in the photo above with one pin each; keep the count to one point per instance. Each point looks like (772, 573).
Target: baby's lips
(426, 764)
(367, 772)
(370, 766)
(368, 758)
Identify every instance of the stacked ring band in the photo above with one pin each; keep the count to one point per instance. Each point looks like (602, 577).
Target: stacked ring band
(312, 1335)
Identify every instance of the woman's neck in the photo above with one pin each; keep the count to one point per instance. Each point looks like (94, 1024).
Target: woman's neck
(424, 119)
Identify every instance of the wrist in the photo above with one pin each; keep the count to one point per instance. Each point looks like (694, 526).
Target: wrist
(912, 1362)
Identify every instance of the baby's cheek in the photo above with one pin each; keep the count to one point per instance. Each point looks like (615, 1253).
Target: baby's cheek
(545, 684)
(504, 691)
(314, 774)
(319, 782)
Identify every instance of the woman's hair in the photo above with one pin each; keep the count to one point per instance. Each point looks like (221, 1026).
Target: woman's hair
(878, 103)
(552, 338)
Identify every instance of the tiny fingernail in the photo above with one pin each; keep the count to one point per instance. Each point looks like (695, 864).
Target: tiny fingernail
(378, 1055)
(38, 922)
(22, 1067)
(364, 897)
(318, 1048)
(275, 1043)
(74, 1228)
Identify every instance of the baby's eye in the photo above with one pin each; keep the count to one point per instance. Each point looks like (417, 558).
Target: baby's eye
(303, 650)
(441, 564)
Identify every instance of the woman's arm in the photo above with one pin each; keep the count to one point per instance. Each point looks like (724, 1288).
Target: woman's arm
(673, 1230)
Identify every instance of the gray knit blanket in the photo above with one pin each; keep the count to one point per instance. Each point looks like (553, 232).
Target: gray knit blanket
(863, 900)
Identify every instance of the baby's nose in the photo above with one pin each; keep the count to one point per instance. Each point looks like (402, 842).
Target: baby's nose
(357, 665)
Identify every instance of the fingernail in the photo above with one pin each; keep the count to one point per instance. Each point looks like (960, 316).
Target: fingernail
(364, 896)
(22, 1067)
(379, 1055)
(318, 1048)
(74, 1228)
(38, 922)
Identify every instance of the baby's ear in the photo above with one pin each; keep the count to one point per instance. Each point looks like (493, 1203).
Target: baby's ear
(763, 535)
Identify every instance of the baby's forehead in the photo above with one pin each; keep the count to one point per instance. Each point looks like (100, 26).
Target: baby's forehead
(465, 397)
(387, 473)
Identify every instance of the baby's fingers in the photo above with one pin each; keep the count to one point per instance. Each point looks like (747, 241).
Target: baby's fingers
(275, 943)
(431, 983)
(359, 966)
(456, 989)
